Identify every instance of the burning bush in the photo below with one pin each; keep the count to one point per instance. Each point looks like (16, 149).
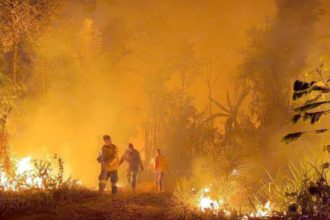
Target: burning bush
(35, 185)
(194, 200)
(224, 197)
(35, 174)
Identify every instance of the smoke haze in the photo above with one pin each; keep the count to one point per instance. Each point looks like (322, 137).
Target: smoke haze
(93, 64)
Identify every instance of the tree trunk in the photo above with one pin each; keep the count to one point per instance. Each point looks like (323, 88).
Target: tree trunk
(210, 93)
(183, 85)
(14, 62)
(147, 150)
(4, 156)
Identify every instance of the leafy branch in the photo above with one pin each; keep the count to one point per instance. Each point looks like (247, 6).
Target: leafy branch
(305, 112)
(296, 135)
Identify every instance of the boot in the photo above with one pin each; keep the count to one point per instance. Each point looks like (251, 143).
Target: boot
(114, 189)
(102, 187)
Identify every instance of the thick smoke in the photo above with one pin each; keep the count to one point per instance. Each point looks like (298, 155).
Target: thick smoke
(89, 69)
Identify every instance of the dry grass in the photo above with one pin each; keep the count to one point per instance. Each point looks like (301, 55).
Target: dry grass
(23, 196)
(30, 201)
(230, 193)
(305, 190)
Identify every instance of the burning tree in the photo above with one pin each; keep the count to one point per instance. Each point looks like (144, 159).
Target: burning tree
(9, 94)
(21, 21)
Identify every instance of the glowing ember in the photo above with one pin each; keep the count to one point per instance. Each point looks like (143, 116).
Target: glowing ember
(262, 210)
(206, 203)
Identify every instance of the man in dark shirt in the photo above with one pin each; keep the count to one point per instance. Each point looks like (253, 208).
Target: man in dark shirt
(133, 158)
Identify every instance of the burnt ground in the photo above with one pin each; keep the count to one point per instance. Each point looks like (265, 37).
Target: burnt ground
(90, 205)
(125, 205)
(145, 204)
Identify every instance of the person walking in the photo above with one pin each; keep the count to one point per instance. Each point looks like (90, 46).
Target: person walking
(159, 167)
(133, 159)
(108, 158)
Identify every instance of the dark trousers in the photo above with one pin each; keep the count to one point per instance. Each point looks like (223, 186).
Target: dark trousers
(103, 178)
(131, 177)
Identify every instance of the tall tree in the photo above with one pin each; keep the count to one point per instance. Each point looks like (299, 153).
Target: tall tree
(275, 56)
(166, 60)
(20, 21)
(10, 93)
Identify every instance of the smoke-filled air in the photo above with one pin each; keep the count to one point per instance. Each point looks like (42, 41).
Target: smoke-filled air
(168, 109)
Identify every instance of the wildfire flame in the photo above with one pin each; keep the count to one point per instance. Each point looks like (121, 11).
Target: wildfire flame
(23, 165)
(206, 203)
(23, 176)
(263, 210)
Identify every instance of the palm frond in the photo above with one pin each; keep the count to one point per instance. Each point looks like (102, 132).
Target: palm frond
(327, 148)
(310, 106)
(302, 88)
(299, 94)
(310, 101)
(296, 118)
(315, 116)
(322, 89)
(301, 85)
(321, 130)
(242, 96)
(292, 137)
(222, 107)
(229, 104)
(296, 135)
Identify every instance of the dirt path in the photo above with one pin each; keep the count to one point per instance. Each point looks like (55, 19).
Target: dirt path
(126, 205)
